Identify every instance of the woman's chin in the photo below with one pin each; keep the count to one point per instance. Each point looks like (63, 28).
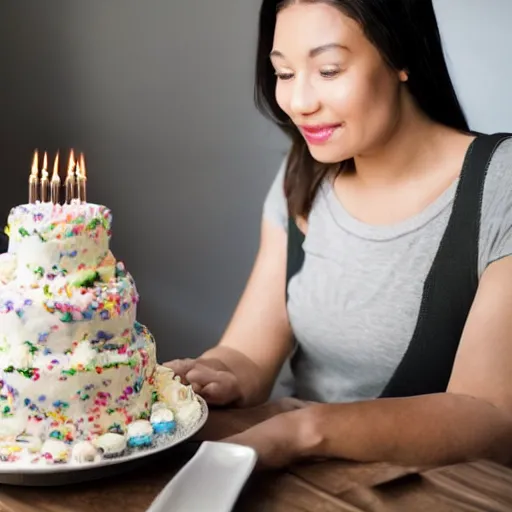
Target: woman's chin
(327, 154)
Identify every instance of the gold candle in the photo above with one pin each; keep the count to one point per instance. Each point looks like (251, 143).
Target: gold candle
(45, 182)
(55, 183)
(82, 180)
(33, 181)
(70, 179)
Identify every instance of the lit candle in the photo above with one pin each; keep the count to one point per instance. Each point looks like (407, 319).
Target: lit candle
(33, 181)
(82, 179)
(45, 182)
(70, 179)
(55, 183)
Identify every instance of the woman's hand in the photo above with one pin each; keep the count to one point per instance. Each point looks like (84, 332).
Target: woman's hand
(282, 439)
(210, 378)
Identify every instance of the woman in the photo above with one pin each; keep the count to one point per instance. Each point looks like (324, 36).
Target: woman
(397, 316)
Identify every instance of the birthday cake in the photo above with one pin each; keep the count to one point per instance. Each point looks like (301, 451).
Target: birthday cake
(78, 374)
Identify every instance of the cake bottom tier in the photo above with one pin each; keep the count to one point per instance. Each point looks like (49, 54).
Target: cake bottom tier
(71, 405)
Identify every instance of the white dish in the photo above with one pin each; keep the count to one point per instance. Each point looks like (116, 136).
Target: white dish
(26, 473)
(218, 470)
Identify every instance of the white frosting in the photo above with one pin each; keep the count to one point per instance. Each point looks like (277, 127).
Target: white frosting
(188, 414)
(84, 451)
(92, 400)
(110, 443)
(12, 426)
(158, 405)
(173, 393)
(40, 313)
(8, 449)
(140, 428)
(18, 356)
(55, 450)
(74, 363)
(8, 263)
(178, 397)
(44, 235)
(83, 355)
(32, 444)
(161, 415)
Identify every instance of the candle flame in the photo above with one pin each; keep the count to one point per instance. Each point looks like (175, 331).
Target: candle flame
(55, 175)
(35, 163)
(82, 165)
(78, 173)
(71, 164)
(44, 171)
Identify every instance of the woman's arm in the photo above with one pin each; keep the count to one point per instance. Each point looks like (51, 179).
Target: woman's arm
(433, 429)
(257, 341)
(473, 419)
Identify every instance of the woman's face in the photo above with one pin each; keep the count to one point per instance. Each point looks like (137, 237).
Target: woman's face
(332, 82)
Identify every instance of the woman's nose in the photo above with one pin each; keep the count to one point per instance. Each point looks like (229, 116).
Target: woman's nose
(304, 99)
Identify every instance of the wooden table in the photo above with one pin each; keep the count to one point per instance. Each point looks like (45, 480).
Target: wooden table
(334, 486)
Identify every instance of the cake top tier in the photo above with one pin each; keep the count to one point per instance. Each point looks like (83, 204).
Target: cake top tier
(50, 221)
(51, 239)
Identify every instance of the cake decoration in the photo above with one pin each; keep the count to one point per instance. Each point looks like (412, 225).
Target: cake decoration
(31, 443)
(55, 451)
(79, 379)
(10, 452)
(140, 433)
(162, 420)
(111, 444)
(85, 451)
(178, 397)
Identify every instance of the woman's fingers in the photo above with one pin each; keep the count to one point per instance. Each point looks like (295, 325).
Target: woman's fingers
(215, 393)
(201, 374)
(222, 391)
(181, 366)
(197, 388)
(216, 386)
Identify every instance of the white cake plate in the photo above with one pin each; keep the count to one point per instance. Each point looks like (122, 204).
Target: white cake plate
(42, 474)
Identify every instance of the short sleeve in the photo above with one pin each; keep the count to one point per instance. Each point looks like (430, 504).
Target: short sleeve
(275, 207)
(496, 213)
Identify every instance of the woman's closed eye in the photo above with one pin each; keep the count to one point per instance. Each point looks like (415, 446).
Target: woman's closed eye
(283, 75)
(328, 73)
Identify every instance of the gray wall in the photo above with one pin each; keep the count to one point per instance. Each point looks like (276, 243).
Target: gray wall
(477, 41)
(159, 96)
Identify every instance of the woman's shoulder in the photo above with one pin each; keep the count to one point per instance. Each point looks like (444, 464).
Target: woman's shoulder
(503, 152)
(275, 207)
(498, 179)
(496, 207)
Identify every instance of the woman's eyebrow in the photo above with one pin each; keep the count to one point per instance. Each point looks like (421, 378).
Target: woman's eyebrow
(314, 51)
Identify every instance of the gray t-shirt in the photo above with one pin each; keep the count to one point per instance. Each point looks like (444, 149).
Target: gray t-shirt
(354, 305)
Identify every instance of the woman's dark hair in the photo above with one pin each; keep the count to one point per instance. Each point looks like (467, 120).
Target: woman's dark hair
(407, 36)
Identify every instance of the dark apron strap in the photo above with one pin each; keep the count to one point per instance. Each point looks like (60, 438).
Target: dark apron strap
(450, 286)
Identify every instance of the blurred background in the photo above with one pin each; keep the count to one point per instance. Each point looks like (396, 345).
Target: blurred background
(159, 97)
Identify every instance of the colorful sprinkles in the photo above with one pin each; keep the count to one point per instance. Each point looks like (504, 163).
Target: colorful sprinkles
(83, 286)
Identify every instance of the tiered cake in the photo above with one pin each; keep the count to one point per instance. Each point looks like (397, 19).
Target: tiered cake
(79, 378)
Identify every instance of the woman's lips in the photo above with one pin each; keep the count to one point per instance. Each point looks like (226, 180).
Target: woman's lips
(319, 134)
